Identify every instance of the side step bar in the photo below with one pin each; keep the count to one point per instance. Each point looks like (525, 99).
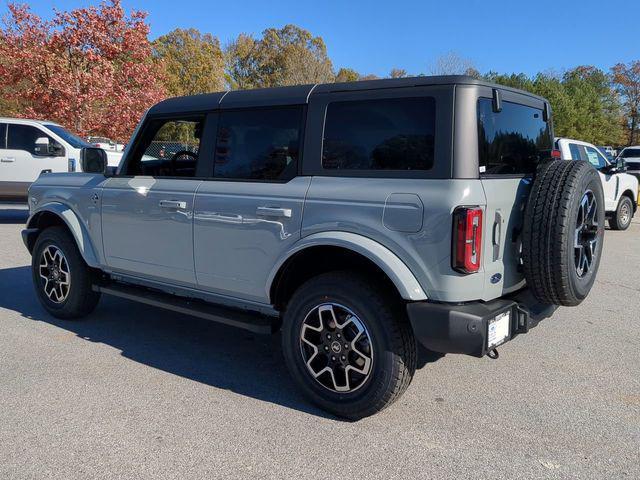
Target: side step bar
(246, 320)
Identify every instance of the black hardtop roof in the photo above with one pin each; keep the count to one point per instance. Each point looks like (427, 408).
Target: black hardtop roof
(299, 94)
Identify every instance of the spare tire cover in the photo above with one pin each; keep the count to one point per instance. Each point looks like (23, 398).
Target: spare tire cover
(563, 232)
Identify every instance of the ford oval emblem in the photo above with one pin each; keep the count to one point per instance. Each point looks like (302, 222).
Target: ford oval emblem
(496, 277)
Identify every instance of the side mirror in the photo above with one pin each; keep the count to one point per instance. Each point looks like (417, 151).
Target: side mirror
(42, 146)
(93, 160)
(621, 164)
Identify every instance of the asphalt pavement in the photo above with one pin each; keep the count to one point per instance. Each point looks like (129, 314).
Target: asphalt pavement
(138, 392)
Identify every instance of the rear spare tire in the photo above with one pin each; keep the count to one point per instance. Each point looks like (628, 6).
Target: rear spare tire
(563, 232)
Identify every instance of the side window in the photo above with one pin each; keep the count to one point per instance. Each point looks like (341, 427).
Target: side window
(23, 137)
(384, 134)
(3, 135)
(576, 154)
(258, 144)
(512, 141)
(167, 148)
(595, 158)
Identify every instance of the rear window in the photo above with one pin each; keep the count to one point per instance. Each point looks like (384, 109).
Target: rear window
(261, 144)
(512, 141)
(383, 134)
(630, 152)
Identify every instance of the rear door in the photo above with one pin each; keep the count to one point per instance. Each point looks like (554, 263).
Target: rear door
(248, 213)
(512, 139)
(147, 209)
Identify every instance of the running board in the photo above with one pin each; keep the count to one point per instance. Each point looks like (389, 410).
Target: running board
(246, 320)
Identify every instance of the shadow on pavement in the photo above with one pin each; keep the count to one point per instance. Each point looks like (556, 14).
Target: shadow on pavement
(197, 349)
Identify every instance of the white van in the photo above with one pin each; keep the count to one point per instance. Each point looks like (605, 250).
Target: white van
(31, 147)
(620, 188)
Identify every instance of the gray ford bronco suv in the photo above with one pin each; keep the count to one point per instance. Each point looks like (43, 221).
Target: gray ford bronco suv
(359, 218)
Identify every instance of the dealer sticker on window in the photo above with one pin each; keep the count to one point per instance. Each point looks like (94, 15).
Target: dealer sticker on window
(498, 329)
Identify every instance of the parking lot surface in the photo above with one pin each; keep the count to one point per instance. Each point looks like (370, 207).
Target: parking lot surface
(137, 392)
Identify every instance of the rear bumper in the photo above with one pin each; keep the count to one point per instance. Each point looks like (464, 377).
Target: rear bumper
(453, 328)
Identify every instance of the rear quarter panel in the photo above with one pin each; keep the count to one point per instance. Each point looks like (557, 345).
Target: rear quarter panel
(386, 211)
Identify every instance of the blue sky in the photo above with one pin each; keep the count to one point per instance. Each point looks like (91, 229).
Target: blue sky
(375, 36)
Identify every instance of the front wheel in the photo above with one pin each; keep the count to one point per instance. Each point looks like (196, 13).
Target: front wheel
(62, 280)
(622, 217)
(348, 346)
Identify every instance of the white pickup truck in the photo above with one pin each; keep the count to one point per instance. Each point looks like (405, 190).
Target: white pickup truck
(620, 188)
(31, 147)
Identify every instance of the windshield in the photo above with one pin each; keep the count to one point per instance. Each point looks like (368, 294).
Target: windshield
(630, 152)
(67, 136)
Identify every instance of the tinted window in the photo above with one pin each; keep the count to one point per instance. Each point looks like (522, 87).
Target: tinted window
(594, 157)
(23, 137)
(630, 152)
(576, 154)
(385, 134)
(168, 148)
(512, 141)
(67, 136)
(3, 135)
(261, 144)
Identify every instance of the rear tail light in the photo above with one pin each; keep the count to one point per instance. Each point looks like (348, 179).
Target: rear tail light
(467, 239)
(556, 154)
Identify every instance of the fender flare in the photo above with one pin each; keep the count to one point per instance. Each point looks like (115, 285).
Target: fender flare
(75, 226)
(408, 286)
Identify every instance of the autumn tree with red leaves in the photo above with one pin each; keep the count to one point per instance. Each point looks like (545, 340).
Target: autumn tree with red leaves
(89, 69)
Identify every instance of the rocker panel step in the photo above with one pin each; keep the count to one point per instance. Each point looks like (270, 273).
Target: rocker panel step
(246, 320)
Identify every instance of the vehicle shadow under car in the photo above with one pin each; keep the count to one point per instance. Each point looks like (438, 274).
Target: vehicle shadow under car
(200, 350)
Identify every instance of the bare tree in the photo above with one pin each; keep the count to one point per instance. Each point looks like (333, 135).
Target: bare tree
(452, 64)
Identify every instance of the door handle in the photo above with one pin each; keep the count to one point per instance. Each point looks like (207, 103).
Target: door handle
(274, 212)
(173, 204)
(7, 159)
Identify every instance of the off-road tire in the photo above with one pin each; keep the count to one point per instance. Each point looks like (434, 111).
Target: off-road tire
(549, 231)
(394, 346)
(81, 299)
(617, 221)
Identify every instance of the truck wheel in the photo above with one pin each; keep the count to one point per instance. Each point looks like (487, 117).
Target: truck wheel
(347, 345)
(621, 219)
(563, 232)
(61, 277)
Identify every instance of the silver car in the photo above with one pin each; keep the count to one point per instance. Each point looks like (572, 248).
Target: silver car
(359, 218)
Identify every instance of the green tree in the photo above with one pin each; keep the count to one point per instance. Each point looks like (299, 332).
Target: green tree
(285, 56)
(192, 61)
(584, 104)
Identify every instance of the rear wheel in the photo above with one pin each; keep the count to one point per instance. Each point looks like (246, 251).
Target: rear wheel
(348, 346)
(621, 219)
(563, 232)
(62, 279)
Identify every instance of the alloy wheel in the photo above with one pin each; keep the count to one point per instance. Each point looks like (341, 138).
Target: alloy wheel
(586, 234)
(336, 348)
(54, 274)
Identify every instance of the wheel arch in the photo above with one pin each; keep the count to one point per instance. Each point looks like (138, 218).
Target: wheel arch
(629, 193)
(329, 251)
(52, 214)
